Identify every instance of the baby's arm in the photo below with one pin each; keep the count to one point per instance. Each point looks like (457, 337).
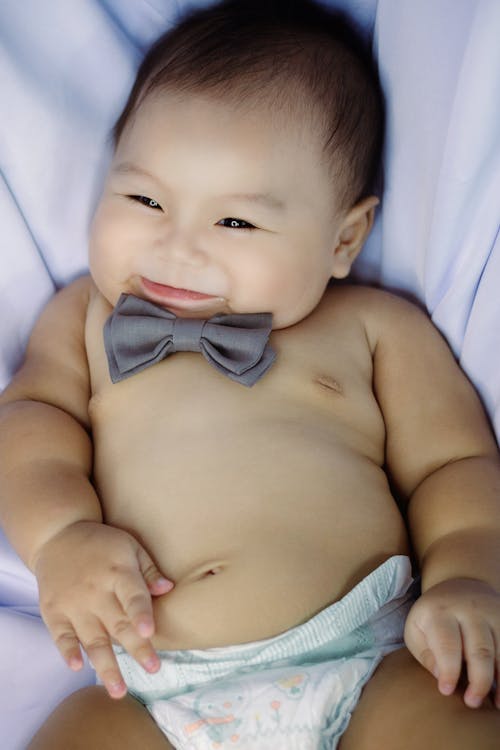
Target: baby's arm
(442, 456)
(95, 581)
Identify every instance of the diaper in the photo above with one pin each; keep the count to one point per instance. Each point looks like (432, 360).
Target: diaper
(295, 691)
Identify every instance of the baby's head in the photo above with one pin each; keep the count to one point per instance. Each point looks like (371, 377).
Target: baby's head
(243, 165)
(294, 59)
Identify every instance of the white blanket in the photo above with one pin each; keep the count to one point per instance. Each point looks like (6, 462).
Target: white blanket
(65, 69)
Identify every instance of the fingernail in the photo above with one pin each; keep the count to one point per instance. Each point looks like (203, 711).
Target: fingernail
(474, 701)
(165, 583)
(75, 663)
(117, 689)
(447, 688)
(151, 664)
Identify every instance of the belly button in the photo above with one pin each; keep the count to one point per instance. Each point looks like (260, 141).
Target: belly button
(204, 571)
(214, 571)
(201, 575)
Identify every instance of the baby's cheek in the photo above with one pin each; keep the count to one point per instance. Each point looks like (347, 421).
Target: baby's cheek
(103, 277)
(265, 287)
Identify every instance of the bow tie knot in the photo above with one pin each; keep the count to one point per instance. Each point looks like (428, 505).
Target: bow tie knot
(139, 334)
(186, 334)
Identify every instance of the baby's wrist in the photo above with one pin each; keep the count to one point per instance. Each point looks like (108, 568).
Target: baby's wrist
(462, 583)
(57, 535)
(466, 554)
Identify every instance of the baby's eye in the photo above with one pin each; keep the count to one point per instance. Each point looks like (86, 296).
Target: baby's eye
(235, 223)
(149, 202)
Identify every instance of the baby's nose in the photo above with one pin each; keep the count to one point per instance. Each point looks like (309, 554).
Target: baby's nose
(182, 246)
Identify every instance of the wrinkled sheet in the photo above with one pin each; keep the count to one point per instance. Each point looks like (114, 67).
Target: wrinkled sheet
(65, 69)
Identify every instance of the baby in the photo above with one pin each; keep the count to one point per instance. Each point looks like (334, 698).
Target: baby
(234, 557)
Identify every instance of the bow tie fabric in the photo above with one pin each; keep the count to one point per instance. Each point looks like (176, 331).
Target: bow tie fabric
(139, 334)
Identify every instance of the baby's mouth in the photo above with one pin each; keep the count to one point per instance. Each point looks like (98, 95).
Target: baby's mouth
(173, 292)
(175, 297)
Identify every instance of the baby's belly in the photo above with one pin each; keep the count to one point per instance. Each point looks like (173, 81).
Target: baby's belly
(263, 590)
(258, 535)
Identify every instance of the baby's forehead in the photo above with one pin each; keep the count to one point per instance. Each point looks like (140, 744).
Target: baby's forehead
(273, 107)
(202, 145)
(297, 63)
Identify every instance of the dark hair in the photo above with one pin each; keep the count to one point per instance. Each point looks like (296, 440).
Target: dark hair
(289, 53)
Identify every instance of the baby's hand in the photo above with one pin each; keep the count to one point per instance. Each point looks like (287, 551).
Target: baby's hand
(96, 584)
(456, 621)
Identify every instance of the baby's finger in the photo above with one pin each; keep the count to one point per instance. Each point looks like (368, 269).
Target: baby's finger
(97, 644)
(160, 585)
(445, 642)
(155, 581)
(135, 600)
(416, 642)
(122, 631)
(67, 643)
(479, 650)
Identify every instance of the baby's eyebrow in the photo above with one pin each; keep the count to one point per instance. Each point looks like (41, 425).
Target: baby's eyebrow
(267, 200)
(264, 199)
(126, 167)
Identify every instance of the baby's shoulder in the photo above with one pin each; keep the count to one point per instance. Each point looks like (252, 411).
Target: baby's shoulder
(366, 300)
(378, 311)
(62, 320)
(396, 329)
(73, 294)
(379, 316)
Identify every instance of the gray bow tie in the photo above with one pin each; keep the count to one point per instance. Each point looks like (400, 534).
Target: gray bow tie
(139, 333)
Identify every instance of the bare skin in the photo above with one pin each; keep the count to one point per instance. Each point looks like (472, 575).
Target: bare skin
(91, 719)
(277, 498)
(326, 434)
(333, 402)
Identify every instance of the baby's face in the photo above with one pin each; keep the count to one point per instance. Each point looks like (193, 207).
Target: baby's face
(210, 209)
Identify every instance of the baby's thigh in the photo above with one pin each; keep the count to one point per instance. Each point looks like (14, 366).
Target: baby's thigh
(402, 707)
(89, 719)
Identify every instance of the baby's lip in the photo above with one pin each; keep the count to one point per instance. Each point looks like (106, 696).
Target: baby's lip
(171, 296)
(173, 291)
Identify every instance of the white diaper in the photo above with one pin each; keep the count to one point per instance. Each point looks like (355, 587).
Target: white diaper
(295, 691)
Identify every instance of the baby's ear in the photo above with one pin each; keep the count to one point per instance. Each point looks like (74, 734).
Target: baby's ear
(354, 230)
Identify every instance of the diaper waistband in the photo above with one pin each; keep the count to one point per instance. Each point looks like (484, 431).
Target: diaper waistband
(370, 616)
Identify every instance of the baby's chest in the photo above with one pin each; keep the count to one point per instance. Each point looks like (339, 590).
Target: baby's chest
(316, 387)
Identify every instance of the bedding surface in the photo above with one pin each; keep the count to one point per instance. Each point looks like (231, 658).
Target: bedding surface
(65, 70)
